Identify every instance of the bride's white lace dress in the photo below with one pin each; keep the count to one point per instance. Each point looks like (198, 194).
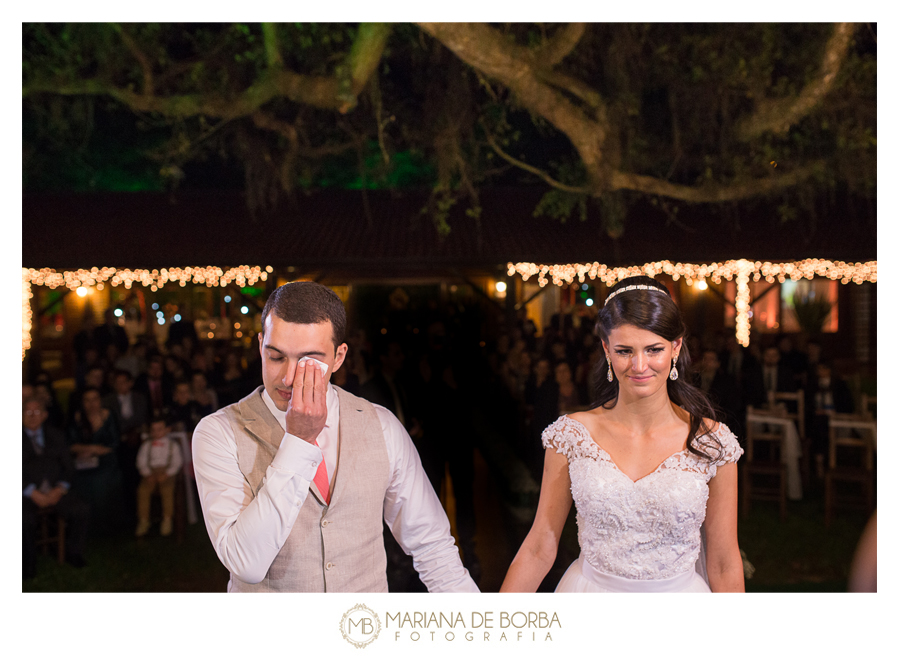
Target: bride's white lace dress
(642, 536)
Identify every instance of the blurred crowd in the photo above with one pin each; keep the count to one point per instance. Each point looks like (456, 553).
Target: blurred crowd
(456, 374)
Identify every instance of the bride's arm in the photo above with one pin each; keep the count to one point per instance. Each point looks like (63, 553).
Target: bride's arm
(723, 556)
(538, 551)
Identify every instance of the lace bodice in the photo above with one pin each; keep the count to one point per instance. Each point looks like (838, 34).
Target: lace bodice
(644, 530)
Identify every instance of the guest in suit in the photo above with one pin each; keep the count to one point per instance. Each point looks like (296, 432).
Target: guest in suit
(721, 388)
(387, 389)
(155, 384)
(542, 408)
(110, 333)
(770, 377)
(792, 359)
(131, 412)
(47, 472)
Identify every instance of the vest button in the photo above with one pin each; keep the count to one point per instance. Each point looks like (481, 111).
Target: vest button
(328, 566)
(325, 522)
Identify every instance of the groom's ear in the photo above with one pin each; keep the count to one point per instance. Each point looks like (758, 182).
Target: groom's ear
(340, 353)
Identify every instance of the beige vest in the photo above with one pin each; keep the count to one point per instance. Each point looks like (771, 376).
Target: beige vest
(331, 548)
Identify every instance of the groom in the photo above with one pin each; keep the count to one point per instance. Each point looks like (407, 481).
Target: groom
(295, 478)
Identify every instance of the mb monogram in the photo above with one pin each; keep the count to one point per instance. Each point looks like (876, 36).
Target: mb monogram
(360, 626)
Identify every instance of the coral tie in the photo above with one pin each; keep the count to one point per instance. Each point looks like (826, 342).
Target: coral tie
(321, 480)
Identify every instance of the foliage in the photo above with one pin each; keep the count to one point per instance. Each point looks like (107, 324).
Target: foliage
(607, 113)
(811, 312)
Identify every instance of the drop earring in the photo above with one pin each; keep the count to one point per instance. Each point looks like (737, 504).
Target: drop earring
(673, 374)
(609, 375)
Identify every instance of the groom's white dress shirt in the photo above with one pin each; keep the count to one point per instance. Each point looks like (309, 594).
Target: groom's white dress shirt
(411, 508)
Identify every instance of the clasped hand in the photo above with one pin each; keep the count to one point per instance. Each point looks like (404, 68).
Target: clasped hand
(307, 412)
(48, 499)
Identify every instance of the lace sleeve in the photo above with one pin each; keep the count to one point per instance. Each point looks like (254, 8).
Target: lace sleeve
(570, 438)
(731, 449)
(557, 437)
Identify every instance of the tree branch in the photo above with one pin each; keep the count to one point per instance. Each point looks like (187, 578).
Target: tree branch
(270, 42)
(484, 48)
(778, 115)
(715, 193)
(289, 131)
(366, 52)
(558, 48)
(143, 60)
(534, 170)
(318, 91)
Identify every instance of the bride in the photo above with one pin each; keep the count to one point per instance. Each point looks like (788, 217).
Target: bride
(653, 478)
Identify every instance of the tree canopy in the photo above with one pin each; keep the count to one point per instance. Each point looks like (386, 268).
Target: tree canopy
(598, 114)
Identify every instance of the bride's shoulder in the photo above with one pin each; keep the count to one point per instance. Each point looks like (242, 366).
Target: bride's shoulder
(566, 432)
(725, 446)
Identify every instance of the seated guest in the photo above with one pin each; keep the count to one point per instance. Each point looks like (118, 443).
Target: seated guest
(813, 357)
(159, 461)
(203, 395)
(184, 411)
(155, 384)
(793, 359)
(94, 377)
(570, 398)
(230, 379)
(722, 390)
(47, 473)
(94, 440)
(43, 389)
(769, 377)
(825, 395)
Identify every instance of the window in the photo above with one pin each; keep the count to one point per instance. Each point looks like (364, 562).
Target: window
(818, 303)
(774, 310)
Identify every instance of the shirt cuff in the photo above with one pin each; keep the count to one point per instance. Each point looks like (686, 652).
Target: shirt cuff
(298, 456)
(28, 490)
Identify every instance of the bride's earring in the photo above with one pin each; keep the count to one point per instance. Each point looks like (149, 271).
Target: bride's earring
(673, 374)
(609, 375)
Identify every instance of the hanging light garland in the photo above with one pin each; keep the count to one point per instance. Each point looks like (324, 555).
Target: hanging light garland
(99, 277)
(742, 271)
(26, 315)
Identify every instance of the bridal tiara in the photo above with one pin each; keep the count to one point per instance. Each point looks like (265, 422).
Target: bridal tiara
(639, 286)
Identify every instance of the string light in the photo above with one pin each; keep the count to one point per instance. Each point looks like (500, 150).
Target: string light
(243, 275)
(739, 270)
(26, 316)
(84, 281)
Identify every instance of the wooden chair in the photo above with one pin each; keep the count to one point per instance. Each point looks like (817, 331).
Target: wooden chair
(762, 461)
(868, 406)
(52, 530)
(797, 401)
(856, 436)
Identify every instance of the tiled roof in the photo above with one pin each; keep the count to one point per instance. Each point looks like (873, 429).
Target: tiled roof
(330, 230)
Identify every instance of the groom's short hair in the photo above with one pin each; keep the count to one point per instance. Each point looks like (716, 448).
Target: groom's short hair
(308, 302)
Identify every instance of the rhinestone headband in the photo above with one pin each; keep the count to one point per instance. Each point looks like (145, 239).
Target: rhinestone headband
(639, 286)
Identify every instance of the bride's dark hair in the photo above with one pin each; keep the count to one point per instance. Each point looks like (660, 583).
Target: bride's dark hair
(657, 313)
